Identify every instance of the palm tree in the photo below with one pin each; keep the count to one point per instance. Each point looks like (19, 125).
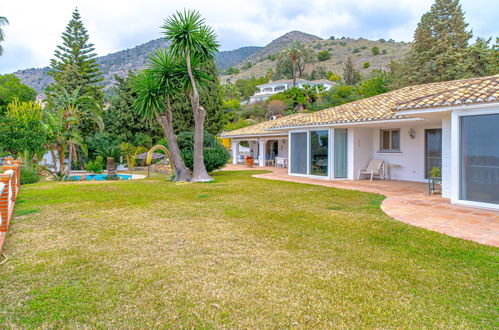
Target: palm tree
(64, 116)
(195, 42)
(295, 52)
(110, 153)
(3, 22)
(155, 88)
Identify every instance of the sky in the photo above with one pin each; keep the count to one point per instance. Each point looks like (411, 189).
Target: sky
(36, 25)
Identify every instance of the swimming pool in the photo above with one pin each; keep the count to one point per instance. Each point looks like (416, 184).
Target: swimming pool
(97, 177)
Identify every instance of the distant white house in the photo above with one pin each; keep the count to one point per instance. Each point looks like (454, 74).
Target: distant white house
(274, 87)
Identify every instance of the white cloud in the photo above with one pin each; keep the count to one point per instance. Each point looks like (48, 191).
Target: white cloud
(36, 26)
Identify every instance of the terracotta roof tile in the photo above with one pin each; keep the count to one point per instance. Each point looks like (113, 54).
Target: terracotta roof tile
(477, 90)
(260, 128)
(381, 107)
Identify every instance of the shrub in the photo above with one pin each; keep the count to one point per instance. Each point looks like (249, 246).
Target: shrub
(247, 66)
(384, 51)
(231, 71)
(215, 154)
(366, 65)
(375, 50)
(356, 50)
(29, 175)
(323, 56)
(95, 166)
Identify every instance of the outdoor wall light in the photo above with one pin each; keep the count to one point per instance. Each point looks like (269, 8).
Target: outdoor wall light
(412, 133)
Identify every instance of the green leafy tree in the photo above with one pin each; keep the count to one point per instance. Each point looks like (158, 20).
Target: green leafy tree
(377, 83)
(440, 44)
(11, 89)
(230, 91)
(193, 41)
(22, 132)
(341, 94)
(121, 122)
(247, 87)
(3, 22)
(74, 65)
(351, 76)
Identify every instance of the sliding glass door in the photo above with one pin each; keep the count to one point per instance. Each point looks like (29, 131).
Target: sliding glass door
(340, 153)
(299, 153)
(479, 159)
(319, 151)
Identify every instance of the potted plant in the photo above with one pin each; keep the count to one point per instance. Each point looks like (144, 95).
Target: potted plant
(249, 161)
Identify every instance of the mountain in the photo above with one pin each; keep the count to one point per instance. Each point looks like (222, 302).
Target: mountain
(279, 44)
(359, 50)
(133, 59)
(230, 58)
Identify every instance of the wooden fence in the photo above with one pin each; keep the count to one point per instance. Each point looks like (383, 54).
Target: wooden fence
(9, 187)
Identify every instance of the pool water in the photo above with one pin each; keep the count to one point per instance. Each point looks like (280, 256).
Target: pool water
(98, 177)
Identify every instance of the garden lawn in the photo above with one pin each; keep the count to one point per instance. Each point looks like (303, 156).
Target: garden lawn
(238, 252)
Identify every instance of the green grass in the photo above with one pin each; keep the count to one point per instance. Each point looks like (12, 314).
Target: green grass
(240, 252)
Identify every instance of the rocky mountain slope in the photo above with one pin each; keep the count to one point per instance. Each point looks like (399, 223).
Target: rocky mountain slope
(133, 59)
(340, 49)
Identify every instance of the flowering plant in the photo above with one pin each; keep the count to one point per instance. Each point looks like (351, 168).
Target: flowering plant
(249, 157)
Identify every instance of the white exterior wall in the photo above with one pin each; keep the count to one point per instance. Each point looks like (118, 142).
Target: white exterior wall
(409, 163)
(446, 157)
(360, 149)
(283, 148)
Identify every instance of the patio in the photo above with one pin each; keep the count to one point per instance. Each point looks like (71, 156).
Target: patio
(410, 203)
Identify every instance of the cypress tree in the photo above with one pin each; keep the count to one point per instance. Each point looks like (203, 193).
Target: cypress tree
(350, 75)
(439, 40)
(74, 63)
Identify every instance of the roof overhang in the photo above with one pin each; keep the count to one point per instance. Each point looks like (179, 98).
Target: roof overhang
(347, 124)
(254, 136)
(427, 111)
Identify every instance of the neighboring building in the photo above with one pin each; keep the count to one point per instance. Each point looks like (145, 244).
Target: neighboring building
(278, 86)
(453, 125)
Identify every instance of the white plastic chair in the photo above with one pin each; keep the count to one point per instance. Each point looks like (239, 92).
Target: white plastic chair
(376, 167)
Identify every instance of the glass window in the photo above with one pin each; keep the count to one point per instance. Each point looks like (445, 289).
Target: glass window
(299, 153)
(390, 140)
(340, 152)
(479, 159)
(319, 152)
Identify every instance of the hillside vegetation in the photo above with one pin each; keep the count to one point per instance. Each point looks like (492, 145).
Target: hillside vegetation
(359, 50)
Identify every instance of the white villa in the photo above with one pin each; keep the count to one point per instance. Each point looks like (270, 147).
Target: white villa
(450, 125)
(274, 87)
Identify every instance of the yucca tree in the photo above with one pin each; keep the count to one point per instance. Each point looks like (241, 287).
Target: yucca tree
(64, 116)
(155, 87)
(194, 42)
(295, 52)
(3, 21)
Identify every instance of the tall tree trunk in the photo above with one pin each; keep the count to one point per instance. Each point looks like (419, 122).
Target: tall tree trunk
(182, 172)
(199, 173)
(54, 158)
(111, 168)
(62, 154)
(70, 160)
(294, 73)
